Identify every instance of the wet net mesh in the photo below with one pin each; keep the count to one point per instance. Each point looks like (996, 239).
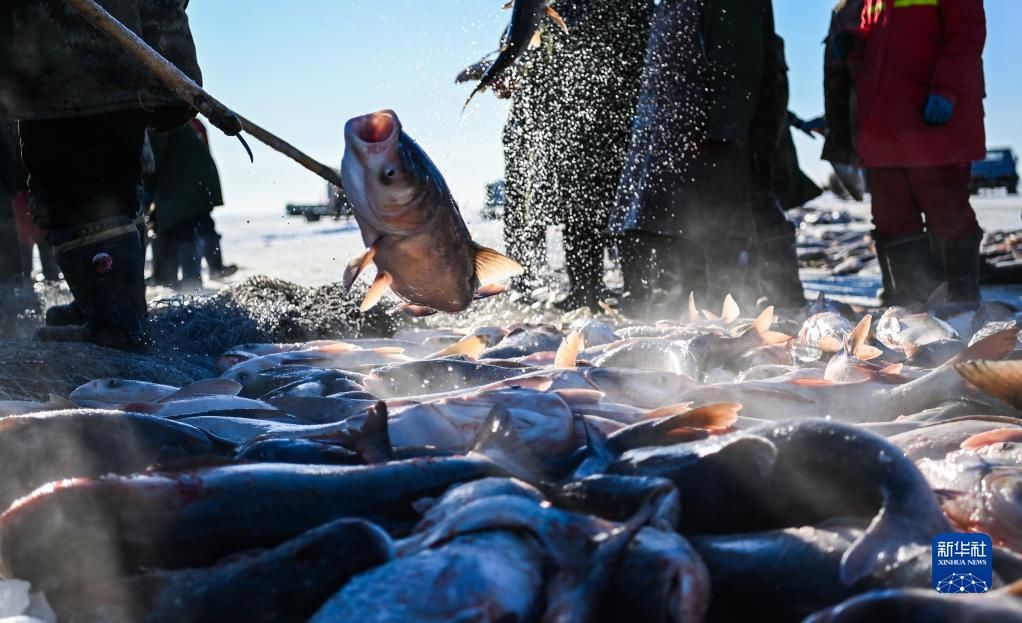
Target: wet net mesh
(188, 332)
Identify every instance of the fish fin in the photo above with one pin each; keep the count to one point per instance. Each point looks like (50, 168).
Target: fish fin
(358, 264)
(876, 548)
(567, 353)
(773, 338)
(207, 387)
(830, 344)
(1003, 435)
(493, 289)
(1014, 589)
(867, 353)
(894, 369)
(418, 311)
(338, 347)
(493, 266)
(472, 346)
(580, 397)
(857, 338)
(499, 444)
(376, 291)
(693, 312)
(994, 347)
(763, 321)
(729, 312)
(682, 408)
(372, 441)
(712, 317)
(536, 40)
(1000, 379)
(508, 6)
(598, 456)
(556, 17)
(812, 382)
(476, 91)
(717, 416)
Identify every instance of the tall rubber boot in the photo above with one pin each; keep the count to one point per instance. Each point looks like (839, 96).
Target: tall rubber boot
(777, 260)
(961, 270)
(583, 261)
(727, 272)
(103, 264)
(908, 271)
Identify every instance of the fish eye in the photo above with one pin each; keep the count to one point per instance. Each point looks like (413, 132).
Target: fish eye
(389, 172)
(112, 383)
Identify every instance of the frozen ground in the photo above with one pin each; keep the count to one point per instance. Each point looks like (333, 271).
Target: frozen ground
(313, 254)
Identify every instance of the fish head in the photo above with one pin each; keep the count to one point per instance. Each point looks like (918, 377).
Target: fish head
(118, 391)
(395, 188)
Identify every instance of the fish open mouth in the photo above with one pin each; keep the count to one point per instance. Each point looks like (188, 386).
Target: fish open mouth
(377, 127)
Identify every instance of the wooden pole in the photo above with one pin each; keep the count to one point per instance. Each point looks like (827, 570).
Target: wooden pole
(222, 117)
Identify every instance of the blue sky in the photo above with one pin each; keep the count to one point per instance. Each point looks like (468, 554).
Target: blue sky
(301, 68)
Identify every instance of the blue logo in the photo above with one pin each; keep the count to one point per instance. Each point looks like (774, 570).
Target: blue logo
(962, 563)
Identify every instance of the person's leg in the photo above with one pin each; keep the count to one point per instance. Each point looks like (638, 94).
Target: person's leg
(84, 175)
(943, 194)
(903, 247)
(526, 244)
(190, 259)
(584, 244)
(209, 241)
(775, 253)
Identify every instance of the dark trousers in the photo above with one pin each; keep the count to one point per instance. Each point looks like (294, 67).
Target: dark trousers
(176, 250)
(209, 243)
(84, 169)
(10, 256)
(903, 196)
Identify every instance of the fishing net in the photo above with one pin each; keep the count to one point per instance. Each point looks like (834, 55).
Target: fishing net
(32, 370)
(262, 309)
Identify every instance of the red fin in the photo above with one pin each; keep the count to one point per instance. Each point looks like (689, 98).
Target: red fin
(376, 291)
(716, 417)
(493, 267)
(472, 346)
(989, 438)
(486, 292)
(812, 382)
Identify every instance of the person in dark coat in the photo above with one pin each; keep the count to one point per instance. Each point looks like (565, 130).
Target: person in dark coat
(840, 101)
(185, 188)
(84, 105)
(569, 132)
(777, 184)
(11, 180)
(683, 204)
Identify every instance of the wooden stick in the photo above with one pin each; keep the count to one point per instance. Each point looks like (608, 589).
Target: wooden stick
(222, 117)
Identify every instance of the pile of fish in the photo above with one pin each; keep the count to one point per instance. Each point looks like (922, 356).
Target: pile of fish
(707, 468)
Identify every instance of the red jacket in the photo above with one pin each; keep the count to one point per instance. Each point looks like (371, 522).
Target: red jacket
(909, 49)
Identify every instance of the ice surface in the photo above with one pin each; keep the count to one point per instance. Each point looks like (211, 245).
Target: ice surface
(13, 597)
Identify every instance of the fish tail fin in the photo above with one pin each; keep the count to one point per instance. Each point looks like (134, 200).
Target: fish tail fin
(557, 19)
(499, 444)
(730, 311)
(598, 456)
(878, 546)
(372, 442)
(1000, 379)
(994, 347)
(693, 311)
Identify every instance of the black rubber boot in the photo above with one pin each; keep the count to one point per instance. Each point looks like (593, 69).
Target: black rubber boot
(727, 269)
(583, 261)
(779, 283)
(961, 270)
(908, 271)
(64, 315)
(103, 265)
